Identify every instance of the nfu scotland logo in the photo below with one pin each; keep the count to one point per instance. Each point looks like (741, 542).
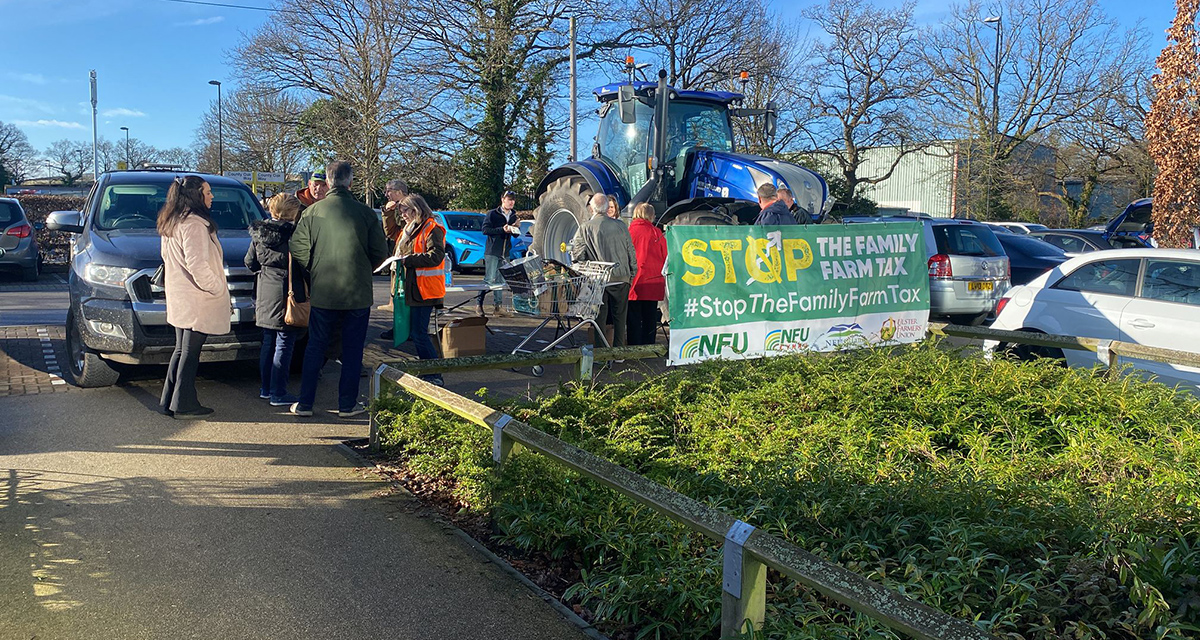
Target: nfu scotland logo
(787, 339)
(714, 344)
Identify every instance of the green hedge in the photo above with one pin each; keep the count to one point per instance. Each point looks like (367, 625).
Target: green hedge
(1041, 501)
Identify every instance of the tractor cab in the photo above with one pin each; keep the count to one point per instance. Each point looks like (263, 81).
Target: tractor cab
(695, 121)
(673, 149)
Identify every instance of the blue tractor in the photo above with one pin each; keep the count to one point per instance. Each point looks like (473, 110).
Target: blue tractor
(673, 149)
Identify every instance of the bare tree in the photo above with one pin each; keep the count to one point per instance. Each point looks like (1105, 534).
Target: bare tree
(261, 132)
(861, 85)
(496, 62)
(180, 156)
(349, 51)
(1059, 60)
(70, 158)
(15, 153)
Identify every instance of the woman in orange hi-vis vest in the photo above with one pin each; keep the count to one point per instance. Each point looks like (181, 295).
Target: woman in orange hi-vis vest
(422, 251)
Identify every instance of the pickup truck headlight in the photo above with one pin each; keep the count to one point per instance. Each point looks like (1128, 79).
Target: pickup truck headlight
(101, 274)
(464, 241)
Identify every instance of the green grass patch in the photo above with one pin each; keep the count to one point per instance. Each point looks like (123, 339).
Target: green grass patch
(1043, 502)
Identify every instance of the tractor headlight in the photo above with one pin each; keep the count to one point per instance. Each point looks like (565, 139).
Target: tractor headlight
(101, 274)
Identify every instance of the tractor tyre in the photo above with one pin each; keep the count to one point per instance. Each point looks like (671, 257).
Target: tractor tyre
(562, 210)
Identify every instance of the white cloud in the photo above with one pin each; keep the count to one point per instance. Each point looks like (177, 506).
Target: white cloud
(48, 123)
(201, 22)
(123, 112)
(25, 104)
(32, 78)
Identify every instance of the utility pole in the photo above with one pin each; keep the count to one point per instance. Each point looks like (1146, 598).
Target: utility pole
(220, 131)
(574, 129)
(995, 133)
(95, 149)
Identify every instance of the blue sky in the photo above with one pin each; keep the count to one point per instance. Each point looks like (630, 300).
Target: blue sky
(154, 59)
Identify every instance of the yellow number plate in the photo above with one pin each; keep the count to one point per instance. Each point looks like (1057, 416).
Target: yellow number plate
(980, 286)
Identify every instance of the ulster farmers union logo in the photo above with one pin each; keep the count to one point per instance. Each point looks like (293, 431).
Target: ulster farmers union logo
(787, 339)
(887, 330)
(714, 344)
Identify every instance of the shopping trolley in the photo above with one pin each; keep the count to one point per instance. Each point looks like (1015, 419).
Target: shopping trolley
(569, 295)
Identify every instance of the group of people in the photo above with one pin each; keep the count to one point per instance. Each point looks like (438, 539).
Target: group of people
(318, 249)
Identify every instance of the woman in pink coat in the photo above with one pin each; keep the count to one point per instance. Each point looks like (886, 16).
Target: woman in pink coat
(649, 286)
(197, 296)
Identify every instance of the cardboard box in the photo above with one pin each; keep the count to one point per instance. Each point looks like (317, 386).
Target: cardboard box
(464, 337)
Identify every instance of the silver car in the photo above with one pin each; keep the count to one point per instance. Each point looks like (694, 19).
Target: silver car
(968, 269)
(18, 242)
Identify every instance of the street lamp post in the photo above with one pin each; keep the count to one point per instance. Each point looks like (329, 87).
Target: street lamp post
(220, 131)
(995, 133)
(128, 159)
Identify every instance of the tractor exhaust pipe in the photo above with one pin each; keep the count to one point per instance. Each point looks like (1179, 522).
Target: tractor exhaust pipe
(651, 190)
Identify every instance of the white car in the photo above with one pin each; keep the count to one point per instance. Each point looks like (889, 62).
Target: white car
(1145, 296)
(1019, 228)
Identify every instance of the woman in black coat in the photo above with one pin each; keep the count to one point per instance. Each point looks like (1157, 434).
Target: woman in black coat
(268, 257)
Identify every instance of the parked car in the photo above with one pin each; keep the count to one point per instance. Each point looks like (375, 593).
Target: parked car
(18, 242)
(1019, 228)
(115, 314)
(1077, 241)
(1029, 257)
(521, 243)
(1146, 296)
(968, 269)
(1134, 221)
(464, 238)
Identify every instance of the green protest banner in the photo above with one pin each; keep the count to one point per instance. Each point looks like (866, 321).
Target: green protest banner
(750, 291)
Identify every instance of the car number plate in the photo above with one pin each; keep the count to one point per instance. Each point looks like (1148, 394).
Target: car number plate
(980, 286)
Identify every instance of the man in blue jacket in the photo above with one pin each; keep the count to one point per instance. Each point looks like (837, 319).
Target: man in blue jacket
(500, 226)
(773, 210)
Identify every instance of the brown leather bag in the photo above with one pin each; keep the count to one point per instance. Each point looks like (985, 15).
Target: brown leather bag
(296, 313)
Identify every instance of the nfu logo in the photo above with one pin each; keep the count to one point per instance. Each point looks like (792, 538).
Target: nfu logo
(787, 339)
(714, 344)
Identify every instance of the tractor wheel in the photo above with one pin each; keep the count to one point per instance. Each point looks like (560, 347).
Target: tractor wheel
(562, 210)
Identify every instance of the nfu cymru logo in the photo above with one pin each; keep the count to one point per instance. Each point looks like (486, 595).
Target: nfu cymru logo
(714, 344)
(787, 339)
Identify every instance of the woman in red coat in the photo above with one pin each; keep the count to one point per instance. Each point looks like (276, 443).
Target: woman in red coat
(649, 286)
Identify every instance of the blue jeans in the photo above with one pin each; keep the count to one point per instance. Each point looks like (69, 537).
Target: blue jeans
(491, 275)
(275, 360)
(322, 327)
(418, 332)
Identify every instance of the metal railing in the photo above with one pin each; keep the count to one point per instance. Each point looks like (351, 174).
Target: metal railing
(747, 551)
(1108, 350)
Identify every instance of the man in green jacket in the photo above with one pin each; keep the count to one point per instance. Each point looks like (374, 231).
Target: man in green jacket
(340, 242)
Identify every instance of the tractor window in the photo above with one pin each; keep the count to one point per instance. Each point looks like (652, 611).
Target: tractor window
(626, 146)
(695, 125)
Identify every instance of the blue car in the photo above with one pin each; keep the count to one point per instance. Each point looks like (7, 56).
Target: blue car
(521, 243)
(464, 238)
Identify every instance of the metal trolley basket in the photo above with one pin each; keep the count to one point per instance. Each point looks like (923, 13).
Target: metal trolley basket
(571, 296)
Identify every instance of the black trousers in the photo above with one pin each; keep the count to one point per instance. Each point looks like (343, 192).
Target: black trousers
(643, 321)
(179, 389)
(616, 305)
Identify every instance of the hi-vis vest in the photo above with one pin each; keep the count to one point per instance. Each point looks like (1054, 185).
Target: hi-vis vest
(431, 282)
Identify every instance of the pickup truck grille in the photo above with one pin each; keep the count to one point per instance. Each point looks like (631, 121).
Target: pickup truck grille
(239, 279)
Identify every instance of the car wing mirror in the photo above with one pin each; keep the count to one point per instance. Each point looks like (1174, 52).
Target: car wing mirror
(68, 221)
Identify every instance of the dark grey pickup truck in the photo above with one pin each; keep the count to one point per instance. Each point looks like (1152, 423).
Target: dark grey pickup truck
(116, 315)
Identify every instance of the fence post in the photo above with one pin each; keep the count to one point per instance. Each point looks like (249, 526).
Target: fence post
(502, 445)
(376, 382)
(744, 585)
(1109, 355)
(587, 357)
